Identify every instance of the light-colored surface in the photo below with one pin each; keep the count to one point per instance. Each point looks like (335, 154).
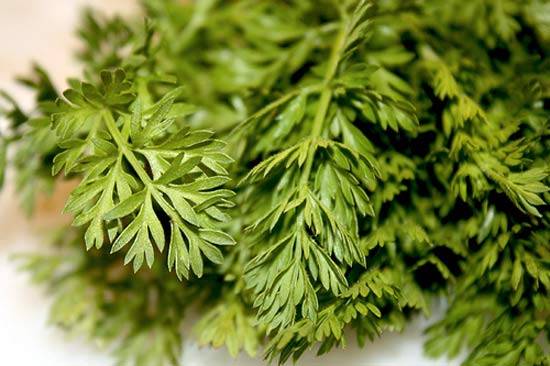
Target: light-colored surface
(43, 30)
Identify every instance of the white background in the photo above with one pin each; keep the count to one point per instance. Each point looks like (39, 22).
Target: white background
(43, 30)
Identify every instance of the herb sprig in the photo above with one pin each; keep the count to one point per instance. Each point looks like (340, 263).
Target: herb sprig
(304, 167)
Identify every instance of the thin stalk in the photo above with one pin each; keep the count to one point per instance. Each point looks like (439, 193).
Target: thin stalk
(123, 145)
(325, 99)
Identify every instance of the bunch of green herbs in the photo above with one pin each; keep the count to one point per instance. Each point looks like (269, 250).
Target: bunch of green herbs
(297, 168)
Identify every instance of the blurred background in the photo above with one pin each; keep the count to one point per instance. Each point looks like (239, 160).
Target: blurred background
(43, 31)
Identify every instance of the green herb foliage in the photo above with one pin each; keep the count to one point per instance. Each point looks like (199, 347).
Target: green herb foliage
(365, 157)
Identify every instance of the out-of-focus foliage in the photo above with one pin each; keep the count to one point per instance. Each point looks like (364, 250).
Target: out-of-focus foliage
(36, 143)
(380, 154)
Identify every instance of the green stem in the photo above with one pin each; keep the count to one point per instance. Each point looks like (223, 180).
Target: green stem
(200, 15)
(142, 174)
(123, 145)
(324, 101)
